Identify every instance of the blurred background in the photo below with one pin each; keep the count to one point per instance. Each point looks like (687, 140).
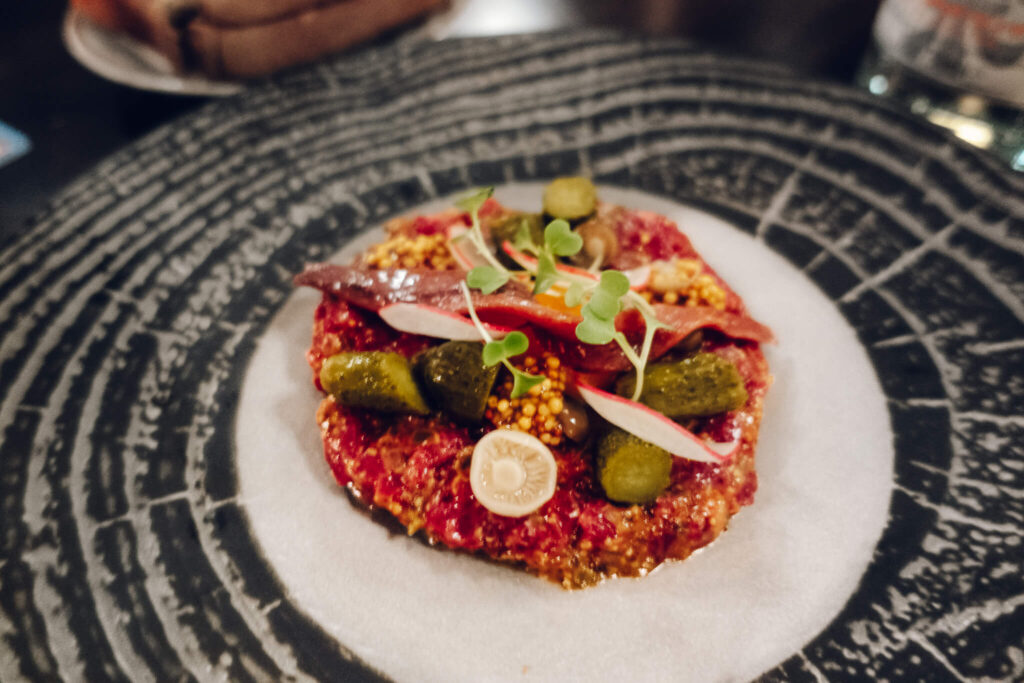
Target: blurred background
(73, 117)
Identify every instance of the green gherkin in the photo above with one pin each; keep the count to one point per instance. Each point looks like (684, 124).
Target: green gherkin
(630, 469)
(571, 199)
(455, 379)
(379, 380)
(700, 385)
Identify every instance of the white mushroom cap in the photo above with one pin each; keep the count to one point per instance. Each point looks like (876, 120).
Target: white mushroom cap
(512, 473)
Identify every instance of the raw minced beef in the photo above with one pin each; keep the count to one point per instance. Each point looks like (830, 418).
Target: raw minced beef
(417, 467)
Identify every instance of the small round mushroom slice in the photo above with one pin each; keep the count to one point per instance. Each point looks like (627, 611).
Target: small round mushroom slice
(512, 473)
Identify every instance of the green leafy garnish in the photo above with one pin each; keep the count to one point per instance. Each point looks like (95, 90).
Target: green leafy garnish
(547, 273)
(614, 282)
(560, 240)
(498, 350)
(473, 202)
(605, 301)
(574, 295)
(524, 240)
(523, 382)
(487, 278)
(600, 301)
(471, 205)
(595, 330)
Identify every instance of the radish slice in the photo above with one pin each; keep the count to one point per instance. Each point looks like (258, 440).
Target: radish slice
(435, 322)
(638, 277)
(463, 250)
(652, 426)
(530, 263)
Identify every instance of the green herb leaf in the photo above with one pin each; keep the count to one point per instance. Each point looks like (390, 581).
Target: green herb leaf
(472, 203)
(524, 240)
(493, 353)
(486, 278)
(614, 282)
(594, 330)
(574, 295)
(605, 302)
(523, 382)
(560, 240)
(515, 343)
(603, 305)
(547, 273)
(501, 350)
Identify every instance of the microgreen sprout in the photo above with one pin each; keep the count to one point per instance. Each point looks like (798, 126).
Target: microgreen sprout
(471, 205)
(601, 299)
(500, 350)
(486, 278)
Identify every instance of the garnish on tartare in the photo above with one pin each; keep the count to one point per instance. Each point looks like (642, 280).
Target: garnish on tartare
(574, 391)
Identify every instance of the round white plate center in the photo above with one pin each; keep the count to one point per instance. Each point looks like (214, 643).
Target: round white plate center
(777, 576)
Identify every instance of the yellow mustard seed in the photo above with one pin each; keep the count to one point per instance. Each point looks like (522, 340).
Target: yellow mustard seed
(532, 413)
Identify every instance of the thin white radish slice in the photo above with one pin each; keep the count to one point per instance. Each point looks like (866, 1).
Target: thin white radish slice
(638, 277)
(530, 263)
(463, 250)
(653, 427)
(435, 322)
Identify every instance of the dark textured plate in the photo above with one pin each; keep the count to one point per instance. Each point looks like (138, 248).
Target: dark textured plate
(131, 311)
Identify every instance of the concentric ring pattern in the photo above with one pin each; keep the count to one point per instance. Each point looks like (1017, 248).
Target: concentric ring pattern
(129, 311)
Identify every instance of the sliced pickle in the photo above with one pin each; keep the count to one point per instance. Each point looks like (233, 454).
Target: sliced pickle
(702, 384)
(379, 380)
(630, 469)
(455, 379)
(572, 199)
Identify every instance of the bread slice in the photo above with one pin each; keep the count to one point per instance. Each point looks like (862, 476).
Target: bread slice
(250, 38)
(161, 23)
(256, 49)
(246, 12)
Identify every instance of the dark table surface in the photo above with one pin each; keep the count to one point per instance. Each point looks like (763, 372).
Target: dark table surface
(74, 118)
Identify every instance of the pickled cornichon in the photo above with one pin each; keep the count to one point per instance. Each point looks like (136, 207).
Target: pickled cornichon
(455, 379)
(572, 199)
(700, 385)
(379, 380)
(630, 469)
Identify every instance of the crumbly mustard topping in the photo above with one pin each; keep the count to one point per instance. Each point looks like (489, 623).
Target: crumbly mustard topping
(411, 251)
(536, 412)
(680, 282)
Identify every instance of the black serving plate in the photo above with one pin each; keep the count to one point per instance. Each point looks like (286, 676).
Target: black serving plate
(131, 312)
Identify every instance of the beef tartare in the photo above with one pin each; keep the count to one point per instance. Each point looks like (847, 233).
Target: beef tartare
(574, 391)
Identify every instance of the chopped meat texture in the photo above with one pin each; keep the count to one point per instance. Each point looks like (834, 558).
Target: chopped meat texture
(417, 467)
